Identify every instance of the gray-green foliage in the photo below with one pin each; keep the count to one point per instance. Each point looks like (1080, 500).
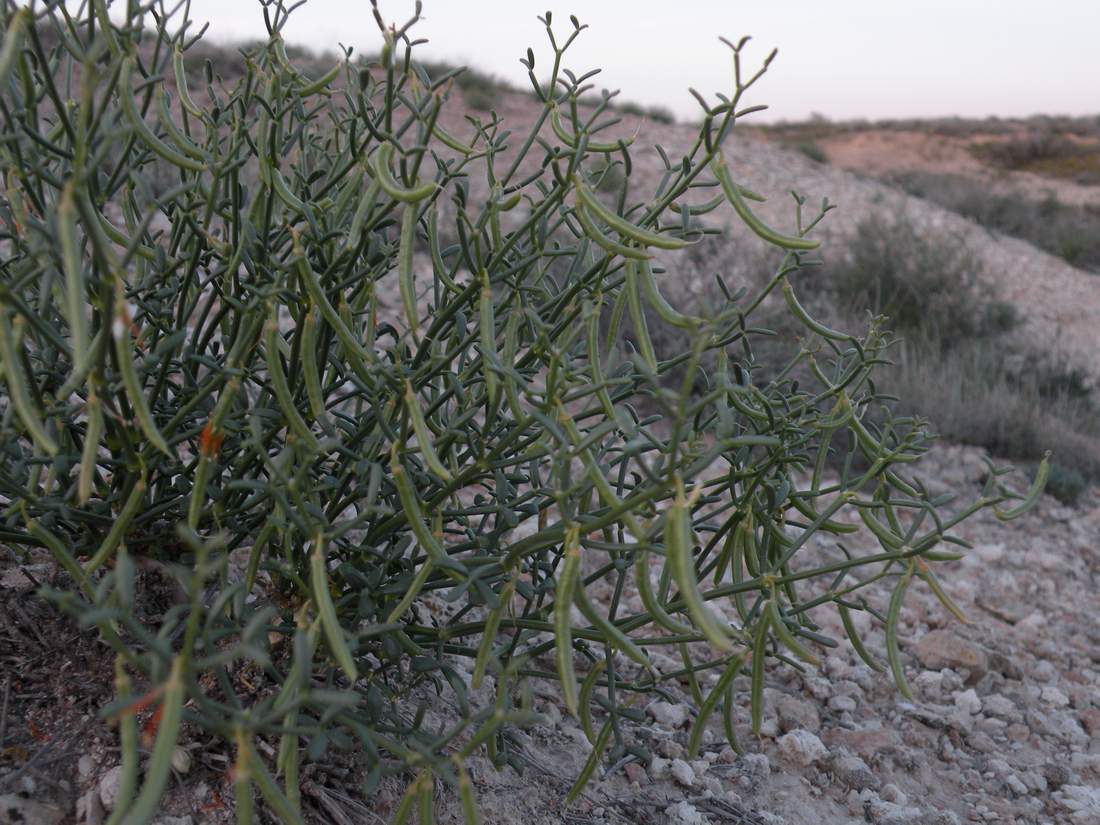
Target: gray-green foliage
(199, 366)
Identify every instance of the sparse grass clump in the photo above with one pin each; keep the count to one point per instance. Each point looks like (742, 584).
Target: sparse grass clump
(656, 113)
(956, 364)
(1045, 151)
(1068, 231)
(813, 150)
(972, 395)
(382, 466)
(1066, 483)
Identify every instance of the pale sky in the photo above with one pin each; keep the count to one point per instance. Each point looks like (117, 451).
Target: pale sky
(840, 58)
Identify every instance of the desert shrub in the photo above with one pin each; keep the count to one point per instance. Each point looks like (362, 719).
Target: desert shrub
(1020, 151)
(480, 90)
(1045, 150)
(608, 176)
(479, 98)
(1065, 483)
(1069, 231)
(382, 484)
(930, 286)
(954, 367)
(660, 114)
(813, 150)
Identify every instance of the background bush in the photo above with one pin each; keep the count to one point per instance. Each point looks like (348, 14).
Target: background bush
(956, 363)
(1069, 231)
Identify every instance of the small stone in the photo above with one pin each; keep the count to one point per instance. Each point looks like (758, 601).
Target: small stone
(727, 756)
(853, 772)
(109, 786)
(85, 766)
(17, 809)
(635, 772)
(795, 713)
(1078, 697)
(836, 667)
(552, 713)
(842, 704)
(982, 742)
(683, 813)
(769, 728)
(889, 813)
(658, 768)
(1084, 763)
(855, 803)
(930, 683)
(1081, 800)
(667, 714)
(754, 768)
(1018, 732)
(711, 786)
(1032, 623)
(1044, 671)
(967, 701)
(1015, 785)
(1035, 781)
(89, 809)
(892, 793)
(992, 726)
(952, 680)
(181, 760)
(986, 552)
(682, 773)
(670, 749)
(1056, 775)
(867, 743)
(939, 649)
(961, 721)
(1054, 696)
(1007, 611)
(998, 705)
(801, 747)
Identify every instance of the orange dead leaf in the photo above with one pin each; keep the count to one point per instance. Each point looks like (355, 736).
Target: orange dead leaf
(149, 729)
(210, 441)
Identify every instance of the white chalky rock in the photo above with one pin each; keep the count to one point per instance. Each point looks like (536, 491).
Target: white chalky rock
(998, 705)
(968, 702)
(683, 813)
(1082, 802)
(801, 747)
(892, 793)
(682, 773)
(842, 704)
(1055, 696)
(109, 787)
(181, 760)
(658, 768)
(667, 714)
